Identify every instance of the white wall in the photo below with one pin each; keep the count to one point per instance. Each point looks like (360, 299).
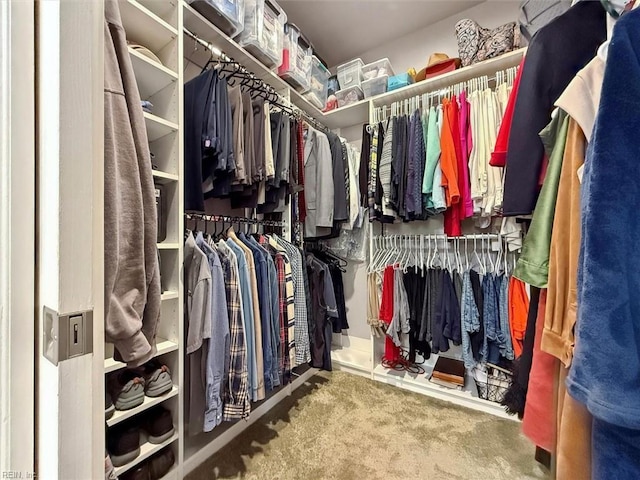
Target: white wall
(413, 50)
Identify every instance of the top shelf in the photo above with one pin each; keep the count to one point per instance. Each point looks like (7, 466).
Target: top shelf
(351, 115)
(358, 113)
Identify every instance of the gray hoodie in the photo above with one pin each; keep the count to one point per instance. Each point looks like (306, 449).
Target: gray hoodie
(132, 274)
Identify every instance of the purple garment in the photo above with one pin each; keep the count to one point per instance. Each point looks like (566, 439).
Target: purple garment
(463, 122)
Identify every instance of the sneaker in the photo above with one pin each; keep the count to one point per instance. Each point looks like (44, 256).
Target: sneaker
(161, 463)
(141, 472)
(158, 423)
(123, 444)
(126, 388)
(157, 378)
(109, 409)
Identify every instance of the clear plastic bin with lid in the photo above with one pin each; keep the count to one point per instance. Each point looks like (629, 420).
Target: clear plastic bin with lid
(350, 73)
(263, 34)
(296, 58)
(319, 85)
(227, 15)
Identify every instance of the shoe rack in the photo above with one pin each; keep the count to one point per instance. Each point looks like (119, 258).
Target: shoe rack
(155, 25)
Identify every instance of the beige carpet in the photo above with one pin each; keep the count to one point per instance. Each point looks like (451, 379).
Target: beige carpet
(344, 427)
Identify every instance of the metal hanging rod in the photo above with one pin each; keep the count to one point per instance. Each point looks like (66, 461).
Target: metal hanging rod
(438, 237)
(221, 218)
(274, 97)
(408, 105)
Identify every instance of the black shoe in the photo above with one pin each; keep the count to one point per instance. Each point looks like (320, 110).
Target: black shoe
(159, 424)
(123, 443)
(141, 472)
(161, 463)
(109, 409)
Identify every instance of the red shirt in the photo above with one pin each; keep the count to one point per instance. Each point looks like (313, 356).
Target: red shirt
(499, 155)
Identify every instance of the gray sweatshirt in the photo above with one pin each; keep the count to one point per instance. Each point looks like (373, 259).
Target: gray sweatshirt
(132, 274)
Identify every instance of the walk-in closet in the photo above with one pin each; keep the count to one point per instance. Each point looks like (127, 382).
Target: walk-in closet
(276, 239)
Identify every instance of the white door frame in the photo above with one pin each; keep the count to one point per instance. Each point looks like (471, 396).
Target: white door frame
(70, 206)
(17, 237)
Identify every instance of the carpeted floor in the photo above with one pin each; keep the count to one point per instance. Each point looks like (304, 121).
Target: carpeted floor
(344, 427)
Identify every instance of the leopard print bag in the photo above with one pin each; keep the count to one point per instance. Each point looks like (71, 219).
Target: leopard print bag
(476, 43)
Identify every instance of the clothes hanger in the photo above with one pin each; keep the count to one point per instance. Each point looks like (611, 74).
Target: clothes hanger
(436, 254)
(475, 254)
(484, 255)
(493, 265)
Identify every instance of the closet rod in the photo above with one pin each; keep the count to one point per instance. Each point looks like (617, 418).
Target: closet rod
(483, 81)
(221, 218)
(438, 237)
(281, 102)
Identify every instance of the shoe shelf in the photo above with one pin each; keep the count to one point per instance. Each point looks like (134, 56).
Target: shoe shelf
(163, 347)
(122, 415)
(157, 25)
(421, 384)
(146, 450)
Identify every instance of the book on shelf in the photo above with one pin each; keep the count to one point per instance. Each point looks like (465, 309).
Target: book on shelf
(448, 378)
(449, 370)
(444, 383)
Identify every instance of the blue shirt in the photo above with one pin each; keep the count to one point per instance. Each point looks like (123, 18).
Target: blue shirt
(219, 343)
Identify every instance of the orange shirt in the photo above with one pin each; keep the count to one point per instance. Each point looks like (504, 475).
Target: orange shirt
(518, 311)
(448, 159)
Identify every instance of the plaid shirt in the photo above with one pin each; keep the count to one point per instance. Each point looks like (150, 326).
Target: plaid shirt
(291, 310)
(302, 342)
(236, 396)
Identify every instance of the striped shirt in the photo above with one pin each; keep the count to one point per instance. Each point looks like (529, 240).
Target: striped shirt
(302, 342)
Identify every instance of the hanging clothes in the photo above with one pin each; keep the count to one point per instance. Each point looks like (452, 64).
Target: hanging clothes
(324, 311)
(241, 340)
(546, 73)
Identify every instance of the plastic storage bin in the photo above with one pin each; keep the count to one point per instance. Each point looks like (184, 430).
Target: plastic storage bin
(296, 58)
(376, 69)
(318, 86)
(399, 81)
(350, 95)
(263, 33)
(350, 74)
(375, 86)
(227, 15)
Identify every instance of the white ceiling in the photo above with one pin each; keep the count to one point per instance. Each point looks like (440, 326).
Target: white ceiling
(341, 30)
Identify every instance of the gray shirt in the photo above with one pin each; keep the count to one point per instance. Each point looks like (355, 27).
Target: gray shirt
(197, 276)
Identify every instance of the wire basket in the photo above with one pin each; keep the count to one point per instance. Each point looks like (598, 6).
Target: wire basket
(496, 384)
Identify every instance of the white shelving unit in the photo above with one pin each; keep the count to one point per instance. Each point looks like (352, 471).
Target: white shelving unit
(122, 415)
(362, 356)
(154, 25)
